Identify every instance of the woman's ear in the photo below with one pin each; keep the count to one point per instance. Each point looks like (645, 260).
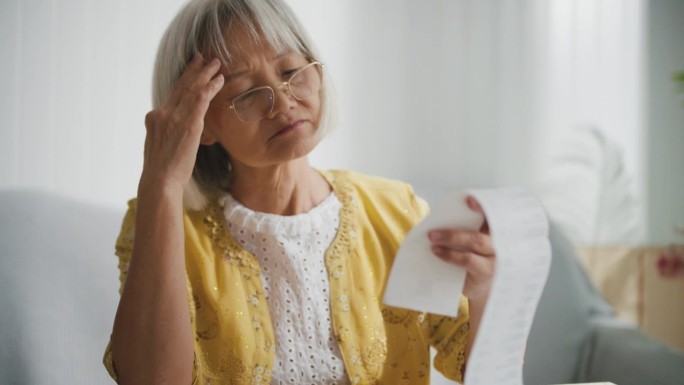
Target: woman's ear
(207, 137)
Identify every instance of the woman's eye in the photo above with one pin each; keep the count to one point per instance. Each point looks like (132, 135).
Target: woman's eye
(246, 98)
(290, 72)
(238, 91)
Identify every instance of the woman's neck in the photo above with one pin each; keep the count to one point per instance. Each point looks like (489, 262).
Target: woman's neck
(287, 189)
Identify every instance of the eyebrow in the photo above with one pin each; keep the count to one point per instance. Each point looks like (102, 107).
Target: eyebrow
(235, 75)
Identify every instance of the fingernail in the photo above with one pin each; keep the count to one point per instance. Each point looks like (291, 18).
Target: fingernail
(473, 204)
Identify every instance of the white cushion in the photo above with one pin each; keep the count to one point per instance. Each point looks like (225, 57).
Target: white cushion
(58, 288)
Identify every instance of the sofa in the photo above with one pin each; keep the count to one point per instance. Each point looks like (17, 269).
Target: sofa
(59, 292)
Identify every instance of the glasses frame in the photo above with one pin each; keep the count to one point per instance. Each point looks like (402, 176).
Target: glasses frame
(285, 86)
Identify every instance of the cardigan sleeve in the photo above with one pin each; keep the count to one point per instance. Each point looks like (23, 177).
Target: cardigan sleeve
(123, 250)
(449, 337)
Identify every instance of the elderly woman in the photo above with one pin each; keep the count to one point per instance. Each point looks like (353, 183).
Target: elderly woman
(242, 264)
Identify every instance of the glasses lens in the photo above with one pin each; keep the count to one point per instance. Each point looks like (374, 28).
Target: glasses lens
(306, 82)
(254, 105)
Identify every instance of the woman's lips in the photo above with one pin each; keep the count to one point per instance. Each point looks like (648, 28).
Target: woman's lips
(289, 128)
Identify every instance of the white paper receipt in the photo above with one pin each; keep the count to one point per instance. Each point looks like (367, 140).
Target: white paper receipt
(419, 280)
(519, 230)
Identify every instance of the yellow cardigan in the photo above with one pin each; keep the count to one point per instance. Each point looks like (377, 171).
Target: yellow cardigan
(234, 339)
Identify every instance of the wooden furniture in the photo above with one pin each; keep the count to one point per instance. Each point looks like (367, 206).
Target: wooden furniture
(645, 285)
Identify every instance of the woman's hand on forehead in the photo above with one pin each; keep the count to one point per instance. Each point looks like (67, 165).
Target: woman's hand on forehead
(174, 130)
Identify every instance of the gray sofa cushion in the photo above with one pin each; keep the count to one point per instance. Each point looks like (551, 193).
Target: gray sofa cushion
(563, 321)
(575, 336)
(625, 355)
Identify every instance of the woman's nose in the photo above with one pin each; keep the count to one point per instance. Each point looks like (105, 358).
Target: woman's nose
(285, 87)
(283, 99)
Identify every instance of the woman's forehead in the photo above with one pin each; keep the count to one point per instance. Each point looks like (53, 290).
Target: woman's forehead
(246, 59)
(244, 44)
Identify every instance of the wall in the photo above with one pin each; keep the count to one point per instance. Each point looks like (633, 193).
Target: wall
(440, 93)
(75, 90)
(665, 128)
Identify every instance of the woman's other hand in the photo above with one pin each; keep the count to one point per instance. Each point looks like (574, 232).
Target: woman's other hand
(471, 250)
(174, 129)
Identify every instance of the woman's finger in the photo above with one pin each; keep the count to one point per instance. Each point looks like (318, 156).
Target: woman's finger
(194, 104)
(184, 81)
(474, 205)
(477, 265)
(464, 240)
(196, 76)
(203, 75)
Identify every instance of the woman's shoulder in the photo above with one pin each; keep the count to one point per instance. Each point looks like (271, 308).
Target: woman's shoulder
(199, 225)
(377, 193)
(129, 216)
(365, 182)
(192, 215)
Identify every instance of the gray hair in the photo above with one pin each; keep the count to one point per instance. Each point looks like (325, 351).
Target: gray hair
(201, 26)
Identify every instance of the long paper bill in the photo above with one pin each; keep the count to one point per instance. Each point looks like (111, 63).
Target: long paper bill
(421, 281)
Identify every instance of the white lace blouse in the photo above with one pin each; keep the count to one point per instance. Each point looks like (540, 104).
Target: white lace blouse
(291, 252)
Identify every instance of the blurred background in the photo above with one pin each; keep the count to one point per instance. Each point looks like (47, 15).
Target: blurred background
(577, 101)
(443, 94)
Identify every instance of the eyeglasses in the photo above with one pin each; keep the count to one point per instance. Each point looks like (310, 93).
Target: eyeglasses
(257, 103)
